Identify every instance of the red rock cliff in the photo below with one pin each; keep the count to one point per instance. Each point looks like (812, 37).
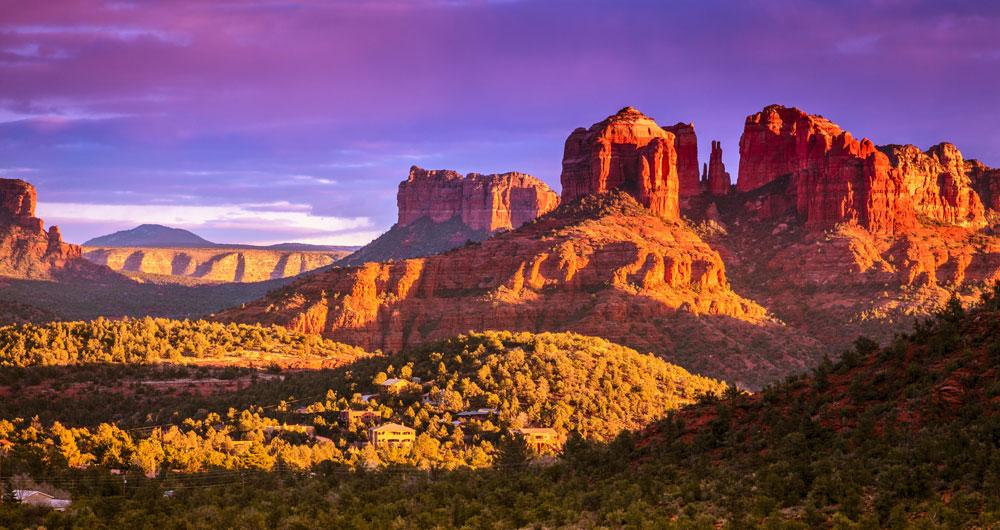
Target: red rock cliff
(719, 181)
(483, 202)
(686, 144)
(938, 183)
(986, 181)
(627, 151)
(26, 249)
(831, 177)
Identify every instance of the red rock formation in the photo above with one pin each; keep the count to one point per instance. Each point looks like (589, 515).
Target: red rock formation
(627, 151)
(602, 266)
(719, 181)
(26, 249)
(937, 183)
(986, 181)
(686, 144)
(836, 178)
(484, 202)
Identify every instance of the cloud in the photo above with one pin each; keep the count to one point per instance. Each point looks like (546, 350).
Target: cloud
(260, 222)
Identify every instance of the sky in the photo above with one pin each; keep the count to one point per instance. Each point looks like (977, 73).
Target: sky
(263, 121)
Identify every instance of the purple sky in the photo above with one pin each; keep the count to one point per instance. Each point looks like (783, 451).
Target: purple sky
(274, 120)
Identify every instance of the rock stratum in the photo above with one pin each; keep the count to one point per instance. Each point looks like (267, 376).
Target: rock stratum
(441, 209)
(600, 266)
(27, 250)
(212, 264)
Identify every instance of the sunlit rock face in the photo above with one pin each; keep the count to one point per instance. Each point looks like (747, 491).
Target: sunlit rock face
(627, 151)
(26, 249)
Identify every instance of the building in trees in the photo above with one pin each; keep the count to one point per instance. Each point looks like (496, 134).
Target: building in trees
(391, 435)
(539, 438)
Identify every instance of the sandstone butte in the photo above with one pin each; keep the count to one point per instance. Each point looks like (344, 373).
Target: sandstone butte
(27, 250)
(838, 237)
(600, 266)
(717, 179)
(440, 210)
(627, 151)
(829, 177)
(212, 264)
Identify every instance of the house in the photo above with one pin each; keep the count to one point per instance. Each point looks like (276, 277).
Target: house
(365, 398)
(353, 417)
(308, 430)
(391, 435)
(394, 384)
(539, 438)
(38, 498)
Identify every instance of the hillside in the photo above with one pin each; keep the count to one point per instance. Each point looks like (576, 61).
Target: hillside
(899, 437)
(212, 264)
(602, 266)
(568, 382)
(150, 235)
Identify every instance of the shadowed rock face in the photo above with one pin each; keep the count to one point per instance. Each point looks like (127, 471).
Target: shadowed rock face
(26, 249)
(832, 178)
(627, 151)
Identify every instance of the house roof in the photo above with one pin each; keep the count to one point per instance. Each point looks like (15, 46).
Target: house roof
(393, 381)
(24, 494)
(392, 427)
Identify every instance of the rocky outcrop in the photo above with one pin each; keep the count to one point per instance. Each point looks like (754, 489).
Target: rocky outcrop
(440, 210)
(211, 264)
(26, 249)
(986, 181)
(718, 180)
(686, 145)
(627, 151)
(937, 183)
(832, 178)
(483, 202)
(602, 266)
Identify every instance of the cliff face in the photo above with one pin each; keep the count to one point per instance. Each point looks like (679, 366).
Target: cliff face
(440, 210)
(718, 180)
(938, 183)
(217, 265)
(832, 178)
(602, 266)
(629, 152)
(483, 202)
(986, 181)
(26, 249)
(686, 145)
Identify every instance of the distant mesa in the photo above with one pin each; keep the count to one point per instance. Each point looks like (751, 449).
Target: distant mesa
(442, 209)
(150, 235)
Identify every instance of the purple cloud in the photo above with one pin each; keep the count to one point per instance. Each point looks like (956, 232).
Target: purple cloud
(193, 103)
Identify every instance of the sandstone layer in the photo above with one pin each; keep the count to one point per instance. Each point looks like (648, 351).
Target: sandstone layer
(602, 266)
(627, 151)
(212, 264)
